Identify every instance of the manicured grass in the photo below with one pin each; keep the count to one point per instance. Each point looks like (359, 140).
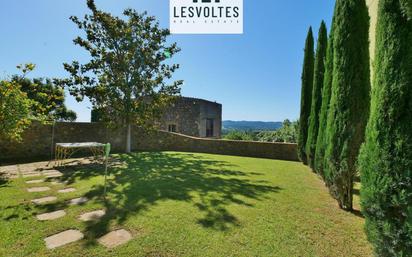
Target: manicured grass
(183, 204)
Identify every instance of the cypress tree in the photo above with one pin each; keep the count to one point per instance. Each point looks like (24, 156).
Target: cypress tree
(385, 161)
(306, 95)
(317, 94)
(323, 116)
(349, 104)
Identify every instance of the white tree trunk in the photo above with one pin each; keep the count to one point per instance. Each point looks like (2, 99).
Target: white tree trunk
(129, 139)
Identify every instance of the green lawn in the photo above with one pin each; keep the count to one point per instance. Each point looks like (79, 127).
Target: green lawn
(183, 204)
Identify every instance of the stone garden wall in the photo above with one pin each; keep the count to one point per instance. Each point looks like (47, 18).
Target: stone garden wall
(36, 143)
(160, 140)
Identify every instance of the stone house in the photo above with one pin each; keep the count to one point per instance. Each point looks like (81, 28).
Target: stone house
(193, 117)
(188, 116)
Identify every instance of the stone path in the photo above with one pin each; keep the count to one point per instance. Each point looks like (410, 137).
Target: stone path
(52, 174)
(40, 169)
(35, 181)
(78, 201)
(51, 215)
(43, 200)
(94, 215)
(31, 174)
(37, 189)
(115, 238)
(67, 190)
(63, 238)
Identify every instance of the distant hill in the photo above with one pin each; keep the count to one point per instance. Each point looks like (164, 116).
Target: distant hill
(251, 125)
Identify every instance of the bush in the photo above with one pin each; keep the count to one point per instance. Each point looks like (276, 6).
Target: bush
(15, 110)
(239, 135)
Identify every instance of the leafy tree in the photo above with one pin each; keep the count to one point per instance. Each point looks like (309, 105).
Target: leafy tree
(385, 161)
(240, 135)
(306, 95)
(349, 104)
(127, 75)
(15, 107)
(48, 98)
(323, 115)
(317, 94)
(288, 133)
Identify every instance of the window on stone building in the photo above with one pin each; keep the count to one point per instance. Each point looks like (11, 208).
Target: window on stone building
(209, 127)
(172, 128)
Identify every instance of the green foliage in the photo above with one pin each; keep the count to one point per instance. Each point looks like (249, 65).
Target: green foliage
(406, 8)
(288, 133)
(240, 135)
(15, 107)
(306, 95)
(14, 110)
(317, 94)
(349, 104)
(48, 98)
(323, 115)
(96, 115)
(385, 162)
(127, 75)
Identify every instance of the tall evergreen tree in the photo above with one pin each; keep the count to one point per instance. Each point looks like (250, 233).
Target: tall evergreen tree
(306, 95)
(323, 115)
(385, 161)
(317, 94)
(349, 104)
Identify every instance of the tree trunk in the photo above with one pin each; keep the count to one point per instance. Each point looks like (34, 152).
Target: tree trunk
(129, 138)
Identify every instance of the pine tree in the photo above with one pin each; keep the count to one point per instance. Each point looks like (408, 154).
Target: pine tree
(306, 95)
(385, 161)
(349, 104)
(323, 115)
(316, 94)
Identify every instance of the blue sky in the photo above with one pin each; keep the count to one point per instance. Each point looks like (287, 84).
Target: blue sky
(256, 76)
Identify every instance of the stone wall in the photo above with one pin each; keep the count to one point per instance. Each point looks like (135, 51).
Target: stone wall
(37, 140)
(165, 141)
(373, 13)
(36, 144)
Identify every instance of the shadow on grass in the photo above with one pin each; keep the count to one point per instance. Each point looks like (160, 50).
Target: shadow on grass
(3, 180)
(145, 179)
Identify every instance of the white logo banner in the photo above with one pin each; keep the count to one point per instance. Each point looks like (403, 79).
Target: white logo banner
(206, 16)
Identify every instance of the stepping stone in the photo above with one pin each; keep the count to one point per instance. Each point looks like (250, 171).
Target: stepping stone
(77, 201)
(37, 189)
(52, 174)
(51, 215)
(58, 183)
(29, 175)
(50, 171)
(94, 215)
(63, 238)
(67, 190)
(44, 200)
(115, 238)
(35, 181)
